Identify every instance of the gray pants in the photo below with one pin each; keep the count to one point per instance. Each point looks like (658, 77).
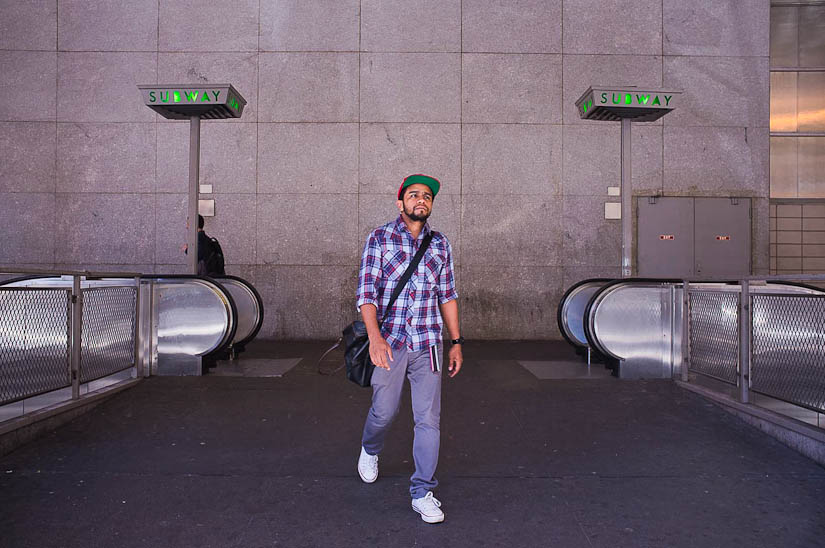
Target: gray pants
(425, 387)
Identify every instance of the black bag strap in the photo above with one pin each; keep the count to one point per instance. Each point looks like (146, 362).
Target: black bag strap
(425, 243)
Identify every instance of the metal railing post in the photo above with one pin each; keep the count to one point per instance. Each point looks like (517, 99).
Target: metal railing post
(744, 341)
(627, 201)
(685, 330)
(138, 361)
(77, 333)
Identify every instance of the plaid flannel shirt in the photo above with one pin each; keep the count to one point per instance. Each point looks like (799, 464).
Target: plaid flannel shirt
(414, 319)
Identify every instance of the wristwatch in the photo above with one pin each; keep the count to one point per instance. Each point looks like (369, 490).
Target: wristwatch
(459, 340)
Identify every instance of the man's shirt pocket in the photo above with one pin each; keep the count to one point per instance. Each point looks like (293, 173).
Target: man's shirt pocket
(394, 264)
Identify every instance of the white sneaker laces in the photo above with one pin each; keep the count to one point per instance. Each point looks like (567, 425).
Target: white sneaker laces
(372, 462)
(429, 501)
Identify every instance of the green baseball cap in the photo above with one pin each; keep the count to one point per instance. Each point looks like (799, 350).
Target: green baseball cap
(419, 178)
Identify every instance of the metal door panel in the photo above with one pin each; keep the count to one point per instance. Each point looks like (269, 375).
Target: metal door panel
(665, 237)
(723, 236)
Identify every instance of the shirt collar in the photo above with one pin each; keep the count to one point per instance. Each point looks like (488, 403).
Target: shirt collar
(401, 227)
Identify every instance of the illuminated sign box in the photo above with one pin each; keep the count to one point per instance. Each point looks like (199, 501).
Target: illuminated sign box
(637, 104)
(181, 102)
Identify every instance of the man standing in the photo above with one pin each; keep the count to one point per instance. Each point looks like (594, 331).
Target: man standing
(210, 254)
(408, 341)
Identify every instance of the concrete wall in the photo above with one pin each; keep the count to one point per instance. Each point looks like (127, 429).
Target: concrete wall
(345, 97)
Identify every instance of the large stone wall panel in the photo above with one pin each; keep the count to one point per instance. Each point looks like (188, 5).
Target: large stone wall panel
(308, 87)
(108, 26)
(203, 69)
(146, 268)
(105, 229)
(513, 88)
(575, 274)
(233, 225)
(592, 159)
(309, 25)
(584, 71)
(306, 302)
(102, 87)
(28, 86)
(502, 230)
(619, 27)
(510, 303)
(588, 238)
(511, 26)
(717, 28)
(512, 159)
(307, 158)
(227, 157)
(410, 87)
(307, 229)
(95, 157)
(30, 25)
(171, 211)
(390, 152)
(703, 161)
(29, 228)
(411, 25)
(205, 25)
(719, 91)
(28, 163)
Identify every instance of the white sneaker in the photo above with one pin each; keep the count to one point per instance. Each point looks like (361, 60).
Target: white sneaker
(429, 507)
(368, 466)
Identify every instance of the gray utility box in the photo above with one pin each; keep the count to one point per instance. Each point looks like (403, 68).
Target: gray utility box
(693, 237)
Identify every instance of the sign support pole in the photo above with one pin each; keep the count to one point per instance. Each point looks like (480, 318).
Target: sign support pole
(627, 196)
(194, 173)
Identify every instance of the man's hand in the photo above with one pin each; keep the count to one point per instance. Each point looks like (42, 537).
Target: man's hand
(379, 351)
(379, 347)
(456, 359)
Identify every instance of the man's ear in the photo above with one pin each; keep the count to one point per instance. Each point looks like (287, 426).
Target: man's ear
(400, 205)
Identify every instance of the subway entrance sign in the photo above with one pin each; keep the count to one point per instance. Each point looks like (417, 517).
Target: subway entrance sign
(181, 102)
(625, 104)
(193, 102)
(615, 103)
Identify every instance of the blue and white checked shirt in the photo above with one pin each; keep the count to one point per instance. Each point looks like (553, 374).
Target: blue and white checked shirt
(414, 320)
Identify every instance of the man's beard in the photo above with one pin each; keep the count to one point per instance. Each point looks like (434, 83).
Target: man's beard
(416, 217)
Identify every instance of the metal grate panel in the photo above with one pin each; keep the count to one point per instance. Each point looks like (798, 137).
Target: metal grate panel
(788, 349)
(34, 342)
(714, 334)
(108, 340)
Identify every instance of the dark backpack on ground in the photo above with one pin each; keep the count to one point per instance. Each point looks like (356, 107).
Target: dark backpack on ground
(213, 262)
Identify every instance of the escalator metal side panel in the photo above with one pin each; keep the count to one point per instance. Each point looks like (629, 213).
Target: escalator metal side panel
(639, 323)
(191, 317)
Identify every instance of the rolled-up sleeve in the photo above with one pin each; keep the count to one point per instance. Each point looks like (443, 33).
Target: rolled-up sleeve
(369, 273)
(446, 280)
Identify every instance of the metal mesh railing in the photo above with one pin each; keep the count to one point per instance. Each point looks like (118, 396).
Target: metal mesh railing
(788, 349)
(108, 339)
(714, 334)
(34, 342)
